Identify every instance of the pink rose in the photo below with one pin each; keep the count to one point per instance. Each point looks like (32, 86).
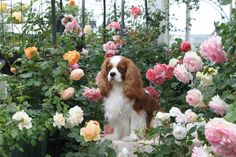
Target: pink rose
(212, 49)
(114, 25)
(182, 74)
(200, 152)
(218, 105)
(194, 97)
(181, 118)
(153, 92)
(185, 46)
(92, 94)
(74, 66)
(150, 74)
(108, 130)
(76, 74)
(169, 72)
(191, 116)
(135, 11)
(110, 53)
(222, 136)
(159, 80)
(192, 62)
(69, 27)
(67, 93)
(110, 45)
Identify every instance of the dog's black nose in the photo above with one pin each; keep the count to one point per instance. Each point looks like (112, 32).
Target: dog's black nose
(112, 74)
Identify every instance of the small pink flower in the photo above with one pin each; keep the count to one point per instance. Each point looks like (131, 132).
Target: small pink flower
(74, 66)
(110, 53)
(69, 27)
(181, 118)
(110, 45)
(222, 137)
(98, 78)
(135, 11)
(169, 72)
(67, 93)
(200, 152)
(213, 50)
(76, 74)
(192, 62)
(108, 130)
(150, 74)
(194, 97)
(218, 105)
(75, 23)
(185, 46)
(114, 25)
(92, 94)
(182, 74)
(153, 92)
(66, 19)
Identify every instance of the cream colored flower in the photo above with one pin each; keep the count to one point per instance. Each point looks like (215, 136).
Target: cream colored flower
(87, 29)
(179, 132)
(206, 79)
(91, 132)
(75, 117)
(173, 62)
(3, 7)
(18, 17)
(23, 118)
(76, 74)
(59, 120)
(67, 93)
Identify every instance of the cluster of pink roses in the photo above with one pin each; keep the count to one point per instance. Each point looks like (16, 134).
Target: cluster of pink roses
(159, 73)
(71, 24)
(153, 92)
(111, 47)
(92, 94)
(222, 136)
(135, 11)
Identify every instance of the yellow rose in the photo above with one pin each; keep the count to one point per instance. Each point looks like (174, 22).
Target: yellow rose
(18, 17)
(87, 29)
(3, 7)
(30, 51)
(212, 71)
(13, 70)
(91, 132)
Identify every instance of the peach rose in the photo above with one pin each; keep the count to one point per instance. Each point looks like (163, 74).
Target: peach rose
(67, 93)
(76, 74)
(91, 132)
(71, 3)
(30, 51)
(72, 57)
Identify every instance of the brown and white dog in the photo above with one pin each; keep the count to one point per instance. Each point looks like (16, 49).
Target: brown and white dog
(128, 107)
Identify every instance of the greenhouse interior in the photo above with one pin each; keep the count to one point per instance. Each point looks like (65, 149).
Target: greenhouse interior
(117, 78)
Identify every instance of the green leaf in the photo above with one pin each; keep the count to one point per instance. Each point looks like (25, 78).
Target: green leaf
(230, 116)
(1, 139)
(225, 2)
(14, 133)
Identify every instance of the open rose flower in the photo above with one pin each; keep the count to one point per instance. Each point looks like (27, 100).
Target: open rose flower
(192, 62)
(205, 79)
(75, 117)
(18, 17)
(218, 106)
(72, 57)
(185, 46)
(71, 3)
(76, 74)
(23, 119)
(74, 66)
(91, 132)
(222, 137)
(30, 51)
(114, 26)
(110, 53)
(92, 94)
(173, 62)
(213, 50)
(58, 120)
(191, 116)
(110, 45)
(182, 74)
(179, 132)
(201, 151)
(194, 97)
(67, 93)
(135, 11)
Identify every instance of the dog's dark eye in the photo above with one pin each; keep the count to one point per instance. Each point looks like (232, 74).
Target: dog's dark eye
(109, 67)
(121, 69)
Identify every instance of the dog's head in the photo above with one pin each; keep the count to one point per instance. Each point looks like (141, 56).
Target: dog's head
(121, 71)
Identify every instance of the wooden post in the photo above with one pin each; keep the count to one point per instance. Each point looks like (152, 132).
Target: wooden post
(54, 27)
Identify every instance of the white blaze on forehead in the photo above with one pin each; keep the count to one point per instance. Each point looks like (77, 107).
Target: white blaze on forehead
(115, 60)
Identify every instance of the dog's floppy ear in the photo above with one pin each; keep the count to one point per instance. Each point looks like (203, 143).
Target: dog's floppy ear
(133, 84)
(104, 85)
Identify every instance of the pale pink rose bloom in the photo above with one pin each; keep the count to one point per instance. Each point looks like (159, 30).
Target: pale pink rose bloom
(98, 78)
(218, 106)
(182, 74)
(76, 74)
(192, 62)
(194, 97)
(67, 93)
(110, 53)
(181, 118)
(200, 152)
(66, 19)
(92, 94)
(69, 27)
(74, 66)
(213, 50)
(222, 136)
(114, 25)
(135, 11)
(191, 116)
(110, 45)
(75, 23)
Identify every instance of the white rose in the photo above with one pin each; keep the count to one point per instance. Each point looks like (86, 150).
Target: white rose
(75, 117)
(174, 111)
(23, 119)
(179, 132)
(173, 62)
(165, 117)
(191, 116)
(59, 120)
(206, 79)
